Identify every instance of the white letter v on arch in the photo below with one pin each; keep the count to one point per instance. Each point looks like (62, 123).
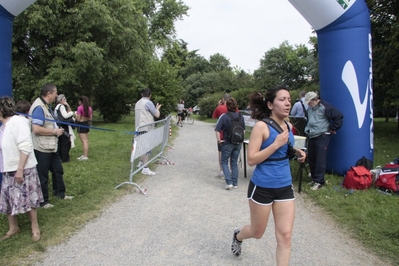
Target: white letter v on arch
(350, 79)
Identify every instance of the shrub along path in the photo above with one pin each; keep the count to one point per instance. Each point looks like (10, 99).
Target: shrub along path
(188, 219)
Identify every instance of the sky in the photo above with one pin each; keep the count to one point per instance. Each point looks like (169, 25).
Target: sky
(241, 30)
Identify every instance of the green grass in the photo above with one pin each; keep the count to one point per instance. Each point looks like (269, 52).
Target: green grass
(368, 216)
(92, 183)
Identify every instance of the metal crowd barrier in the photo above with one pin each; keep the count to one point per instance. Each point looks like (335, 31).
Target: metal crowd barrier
(150, 140)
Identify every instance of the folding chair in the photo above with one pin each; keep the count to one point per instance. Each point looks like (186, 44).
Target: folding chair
(301, 143)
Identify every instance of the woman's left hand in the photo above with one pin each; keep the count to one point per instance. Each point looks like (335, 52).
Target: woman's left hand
(301, 155)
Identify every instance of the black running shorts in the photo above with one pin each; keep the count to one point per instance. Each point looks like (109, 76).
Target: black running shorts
(266, 196)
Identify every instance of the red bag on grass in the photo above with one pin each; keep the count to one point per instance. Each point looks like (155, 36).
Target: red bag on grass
(358, 177)
(388, 178)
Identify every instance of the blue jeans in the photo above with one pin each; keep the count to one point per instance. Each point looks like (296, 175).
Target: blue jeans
(231, 151)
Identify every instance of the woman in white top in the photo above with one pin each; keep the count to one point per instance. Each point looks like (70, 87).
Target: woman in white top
(64, 113)
(20, 189)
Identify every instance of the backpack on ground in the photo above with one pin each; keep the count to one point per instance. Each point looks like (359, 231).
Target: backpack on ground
(358, 177)
(236, 132)
(388, 179)
(365, 162)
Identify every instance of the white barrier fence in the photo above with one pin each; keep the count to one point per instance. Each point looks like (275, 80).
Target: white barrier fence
(148, 145)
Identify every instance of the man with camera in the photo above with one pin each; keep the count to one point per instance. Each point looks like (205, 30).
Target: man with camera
(323, 120)
(45, 144)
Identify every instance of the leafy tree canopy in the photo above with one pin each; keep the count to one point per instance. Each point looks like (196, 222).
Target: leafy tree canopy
(98, 48)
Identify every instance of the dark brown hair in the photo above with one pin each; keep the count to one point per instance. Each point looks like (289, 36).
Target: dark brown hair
(22, 107)
(146, 92)
(258, 103)
(7, 106)
(85, 102)
(46, 88)
(231, 104)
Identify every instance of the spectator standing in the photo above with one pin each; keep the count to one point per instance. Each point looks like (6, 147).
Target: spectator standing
(230, 151)
(145, 111)
(22, 108)
(64, 113)
(45, 144)
(220, 109)
(84, 116)
(323, 120)
(270, 188)
(299, 108)
(20, 188)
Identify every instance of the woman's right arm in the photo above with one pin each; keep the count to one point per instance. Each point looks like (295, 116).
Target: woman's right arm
(259, 134)
(65, 113)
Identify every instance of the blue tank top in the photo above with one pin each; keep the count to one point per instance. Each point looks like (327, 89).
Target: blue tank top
(274, 174)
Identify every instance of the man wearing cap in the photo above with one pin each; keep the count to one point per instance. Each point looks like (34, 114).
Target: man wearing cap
(323, 120)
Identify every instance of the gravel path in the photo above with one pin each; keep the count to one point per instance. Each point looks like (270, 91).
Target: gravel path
(188, 219)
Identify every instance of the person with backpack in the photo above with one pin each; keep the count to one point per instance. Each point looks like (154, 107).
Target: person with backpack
(299, 109)
(270, 188)
(218, 112)
(233, 126)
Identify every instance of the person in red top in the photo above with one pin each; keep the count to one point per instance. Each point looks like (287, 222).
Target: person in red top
(220, 109)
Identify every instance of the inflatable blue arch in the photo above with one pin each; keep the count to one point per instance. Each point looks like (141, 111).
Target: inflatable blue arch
(345, 61)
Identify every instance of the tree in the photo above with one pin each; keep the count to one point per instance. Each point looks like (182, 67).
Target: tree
(284, 65)
(313, 60)
(176, 54)
(219, 63)
(195, 64)
(385, 32)
(165, 85)
(98, 48)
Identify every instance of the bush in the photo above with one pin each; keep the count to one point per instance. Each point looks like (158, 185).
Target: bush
(242, 97)
(208, 104)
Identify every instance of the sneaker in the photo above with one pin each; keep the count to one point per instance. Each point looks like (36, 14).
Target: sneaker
(80, 157)
(227, 187)
(68, 197)
(236, 245)
(147, 171)
(316, 186)
(139, 164)
(235, 186)
(48, 206)
(311, 183)
(83, 158)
